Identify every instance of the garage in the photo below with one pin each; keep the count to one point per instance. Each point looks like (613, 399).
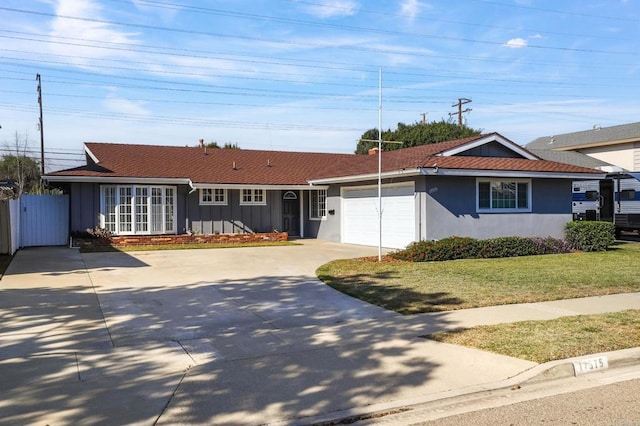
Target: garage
(360, 215)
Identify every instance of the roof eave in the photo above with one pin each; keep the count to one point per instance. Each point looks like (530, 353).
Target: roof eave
(284, 187)
(596, 144)
(435, 171)
(494, 137)
(367, 176)
(91, 154)
(118, 179)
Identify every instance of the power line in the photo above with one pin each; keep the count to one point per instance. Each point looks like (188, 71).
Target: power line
(465, 76)
(337, 6)
(559, 12)
(308, 44)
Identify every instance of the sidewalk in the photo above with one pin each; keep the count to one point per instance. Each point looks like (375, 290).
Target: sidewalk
(61, 363)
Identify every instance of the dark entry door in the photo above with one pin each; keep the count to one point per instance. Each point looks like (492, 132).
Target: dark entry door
(606, 200)
(291, 217)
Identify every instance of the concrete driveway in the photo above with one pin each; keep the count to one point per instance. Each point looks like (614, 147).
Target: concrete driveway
(191, 294)
(228, 336)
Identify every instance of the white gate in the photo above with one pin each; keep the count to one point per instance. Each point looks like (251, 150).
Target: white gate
(44, 220)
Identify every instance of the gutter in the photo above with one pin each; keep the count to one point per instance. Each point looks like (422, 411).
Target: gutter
(102, 179)
(368, 176)
(433, 171)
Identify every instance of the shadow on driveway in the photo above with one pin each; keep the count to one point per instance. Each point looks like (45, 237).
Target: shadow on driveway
(108, 346)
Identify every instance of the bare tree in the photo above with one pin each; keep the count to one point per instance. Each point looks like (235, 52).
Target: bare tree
(17, 166)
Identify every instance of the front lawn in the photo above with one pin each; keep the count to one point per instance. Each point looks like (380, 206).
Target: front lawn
(543, 341)
(410, 288)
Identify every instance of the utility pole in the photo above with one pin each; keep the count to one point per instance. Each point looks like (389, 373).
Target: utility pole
(461, 101)
(40, 124)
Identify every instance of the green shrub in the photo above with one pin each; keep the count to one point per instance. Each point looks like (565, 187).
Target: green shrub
(454, 248)
(469, 248)
(590, 235)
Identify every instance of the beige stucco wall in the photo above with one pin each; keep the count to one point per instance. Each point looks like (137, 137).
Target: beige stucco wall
(626, 155)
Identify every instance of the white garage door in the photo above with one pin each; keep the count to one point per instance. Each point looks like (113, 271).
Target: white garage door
(360, 216)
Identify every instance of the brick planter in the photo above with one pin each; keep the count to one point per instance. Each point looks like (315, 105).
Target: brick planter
(158, 240)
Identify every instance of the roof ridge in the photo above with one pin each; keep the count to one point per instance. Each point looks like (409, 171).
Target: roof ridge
(248, 150)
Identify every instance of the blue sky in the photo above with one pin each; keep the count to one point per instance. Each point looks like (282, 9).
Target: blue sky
(303, 75)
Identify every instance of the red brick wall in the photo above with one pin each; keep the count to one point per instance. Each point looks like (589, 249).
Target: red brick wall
(151, 240)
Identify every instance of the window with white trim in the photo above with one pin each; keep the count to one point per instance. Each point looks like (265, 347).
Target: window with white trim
(214, 196)
(109, 200)
(249, 196)
(318, 204)
(142, 210)
(503, 195)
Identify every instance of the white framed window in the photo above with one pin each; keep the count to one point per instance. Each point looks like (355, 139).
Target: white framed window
(500, 196)
(141, 210)
(213, 196)
(250, 196)
(109, 199)
(318, 204)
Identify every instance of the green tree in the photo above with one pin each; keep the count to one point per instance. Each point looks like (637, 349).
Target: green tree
(227, 145)
(18, 167)
(415, 134)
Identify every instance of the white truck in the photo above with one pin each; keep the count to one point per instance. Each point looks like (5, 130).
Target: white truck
(614, 199)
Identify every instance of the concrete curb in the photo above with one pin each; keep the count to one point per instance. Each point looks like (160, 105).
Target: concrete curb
(565, 368)
(547, 372)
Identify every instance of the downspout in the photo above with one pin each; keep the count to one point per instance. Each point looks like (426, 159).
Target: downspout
(301, 196)
(186, 206)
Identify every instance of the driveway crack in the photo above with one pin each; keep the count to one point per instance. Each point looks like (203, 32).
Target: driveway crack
(95, 292)
(171, 396)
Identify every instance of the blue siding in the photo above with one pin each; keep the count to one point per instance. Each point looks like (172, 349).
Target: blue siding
(191, 216)
(450, 210)
(233, 217)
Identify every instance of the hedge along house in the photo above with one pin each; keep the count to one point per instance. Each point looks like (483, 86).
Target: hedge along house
(483, 186)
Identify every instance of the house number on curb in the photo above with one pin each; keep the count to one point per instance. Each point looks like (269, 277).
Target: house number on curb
(588, 365)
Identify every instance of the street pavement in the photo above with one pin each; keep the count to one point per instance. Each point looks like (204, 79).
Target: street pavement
(231, 336)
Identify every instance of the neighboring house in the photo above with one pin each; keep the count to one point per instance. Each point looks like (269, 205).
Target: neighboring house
(483, 186)
(615, 150)
(607, 148)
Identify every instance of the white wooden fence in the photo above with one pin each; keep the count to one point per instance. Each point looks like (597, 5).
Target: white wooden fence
(9, 226)
(34, 220)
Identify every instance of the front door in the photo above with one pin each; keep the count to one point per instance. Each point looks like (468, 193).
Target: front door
(291, 214)
(606, 200)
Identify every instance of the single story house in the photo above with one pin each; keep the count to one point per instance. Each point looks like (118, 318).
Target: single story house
(483, 186)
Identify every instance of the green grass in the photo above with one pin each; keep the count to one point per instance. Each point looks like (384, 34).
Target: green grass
(98, 249)
(543, 341)
(410, 288)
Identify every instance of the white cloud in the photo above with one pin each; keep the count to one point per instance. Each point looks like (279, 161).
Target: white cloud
(91, 31)
(516, 43)
(124, 106)
(411, 8)
(333, 8)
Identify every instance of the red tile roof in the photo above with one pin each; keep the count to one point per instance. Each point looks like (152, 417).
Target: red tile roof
(219, 166)
(428, 155)
(240, 166)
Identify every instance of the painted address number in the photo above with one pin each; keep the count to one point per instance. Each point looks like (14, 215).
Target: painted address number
(587, 365)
